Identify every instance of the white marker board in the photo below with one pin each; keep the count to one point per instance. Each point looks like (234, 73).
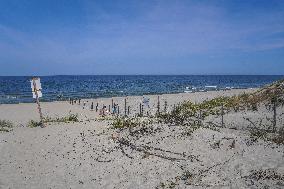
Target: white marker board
(37, 84)
(37, 87)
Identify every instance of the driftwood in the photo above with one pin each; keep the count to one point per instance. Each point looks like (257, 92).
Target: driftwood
(104, 161)
(158, 152)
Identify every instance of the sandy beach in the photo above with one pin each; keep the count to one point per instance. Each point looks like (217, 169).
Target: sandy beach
(131, 94)
(90, 153)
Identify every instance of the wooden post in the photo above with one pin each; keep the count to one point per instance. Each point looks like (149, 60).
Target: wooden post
(97, 106)
(108, 108)
(128, 110)
(92, 106)
(38, 103)
(200, 116)
(274, 114)
(125, 107)
(111, 103)
(165, 107)
(84, 104)
(140, 109)
(158, 105)
(222, 115)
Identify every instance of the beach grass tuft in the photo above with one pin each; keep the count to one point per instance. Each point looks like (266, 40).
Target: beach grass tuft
(130, 122)
(5, 126)
(66, 119)
(33, 124)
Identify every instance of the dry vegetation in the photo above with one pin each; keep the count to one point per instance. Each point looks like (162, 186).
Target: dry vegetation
(5, 126)
(66, 119)
(190, 116)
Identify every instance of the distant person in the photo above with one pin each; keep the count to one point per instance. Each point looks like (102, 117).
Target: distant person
(114, 109)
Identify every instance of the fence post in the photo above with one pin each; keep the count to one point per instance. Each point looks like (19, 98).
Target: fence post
(125, 107)
(37, 101)
(274, 114)
(140, 109)
(128, 110)
(200, 117)
(158, 105)
(165, 106)
(222, 115)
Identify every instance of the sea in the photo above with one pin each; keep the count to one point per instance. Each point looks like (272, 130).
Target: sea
(17, 89)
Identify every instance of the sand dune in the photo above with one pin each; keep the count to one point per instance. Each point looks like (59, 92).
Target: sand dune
(91, 154)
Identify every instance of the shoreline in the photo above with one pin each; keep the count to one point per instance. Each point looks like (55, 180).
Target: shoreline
(123, 96)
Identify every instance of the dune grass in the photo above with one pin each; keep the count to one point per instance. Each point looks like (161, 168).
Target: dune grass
(66, 119)
(5, 126)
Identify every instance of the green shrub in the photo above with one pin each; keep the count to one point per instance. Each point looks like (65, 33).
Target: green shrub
(276, 136)
(33, 124)
(124, 122)
(66, 119)
(5, 125)
(181, 114)
(256, 134)
(279, 137)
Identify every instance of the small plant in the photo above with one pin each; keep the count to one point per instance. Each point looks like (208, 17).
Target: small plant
(125, 122)
(167, 184)
(5, 126)
(182, 114)
(66, 119)
(279, 137)
(120, 123)
(33, 124)
(187, 177)
(267, 174)
(72, 117)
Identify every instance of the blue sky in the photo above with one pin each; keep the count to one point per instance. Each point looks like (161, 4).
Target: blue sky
(54, 37)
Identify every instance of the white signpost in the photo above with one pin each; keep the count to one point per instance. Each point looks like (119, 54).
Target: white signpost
(36, 90)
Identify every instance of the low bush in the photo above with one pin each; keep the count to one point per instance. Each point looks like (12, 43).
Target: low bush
(5, 125)
(66, 119)
(125, 122)
(33, 124)
(276, 136)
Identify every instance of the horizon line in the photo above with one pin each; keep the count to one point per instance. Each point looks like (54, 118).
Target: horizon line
(141, 75)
